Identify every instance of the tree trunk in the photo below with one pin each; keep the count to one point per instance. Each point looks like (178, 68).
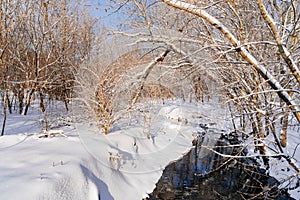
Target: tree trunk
(28, 101)
(20, 100)
(9, 103)
(4, 114)
(283, 132)
(42, 105)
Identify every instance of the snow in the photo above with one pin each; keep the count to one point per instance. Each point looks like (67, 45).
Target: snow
(281, 169)
(125, 164)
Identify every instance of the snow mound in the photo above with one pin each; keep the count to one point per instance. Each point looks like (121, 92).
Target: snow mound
(125, 164)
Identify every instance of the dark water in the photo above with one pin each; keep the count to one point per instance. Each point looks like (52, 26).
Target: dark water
(202, 174)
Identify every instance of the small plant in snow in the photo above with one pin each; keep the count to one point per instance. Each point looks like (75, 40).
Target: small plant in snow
(114, 159)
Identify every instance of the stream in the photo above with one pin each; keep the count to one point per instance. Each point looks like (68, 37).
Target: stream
(202, 174)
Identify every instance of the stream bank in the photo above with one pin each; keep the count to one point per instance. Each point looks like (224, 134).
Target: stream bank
(203, 174)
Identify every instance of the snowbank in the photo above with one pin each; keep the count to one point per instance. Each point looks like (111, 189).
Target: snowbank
(125, 164)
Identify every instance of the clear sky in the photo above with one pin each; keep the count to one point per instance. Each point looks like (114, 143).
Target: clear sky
(100, 8)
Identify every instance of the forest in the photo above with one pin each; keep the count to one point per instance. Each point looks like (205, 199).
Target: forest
(240, 55)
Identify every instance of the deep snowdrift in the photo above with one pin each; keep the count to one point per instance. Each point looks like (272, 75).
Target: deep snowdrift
(125, 164)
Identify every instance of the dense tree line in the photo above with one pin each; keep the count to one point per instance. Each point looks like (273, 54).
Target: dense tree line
(41, 45)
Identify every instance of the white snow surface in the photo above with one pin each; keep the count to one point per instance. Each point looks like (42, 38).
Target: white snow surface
(87, 165)
(125, 164)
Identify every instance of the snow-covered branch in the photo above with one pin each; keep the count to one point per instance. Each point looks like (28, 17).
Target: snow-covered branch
(285, 54)
(272, 81)
(147, 70)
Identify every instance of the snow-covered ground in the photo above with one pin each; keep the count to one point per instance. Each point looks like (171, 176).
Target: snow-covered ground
(86, 165)
(281, 169)
(125, 164)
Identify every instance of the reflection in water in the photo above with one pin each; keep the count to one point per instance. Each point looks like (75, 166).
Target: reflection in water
(202, 174)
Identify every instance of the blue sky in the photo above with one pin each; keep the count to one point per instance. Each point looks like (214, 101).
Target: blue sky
(100, 8)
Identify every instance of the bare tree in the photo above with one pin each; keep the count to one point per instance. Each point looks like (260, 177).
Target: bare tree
(246, 51)
(114, 79)
(42, 43)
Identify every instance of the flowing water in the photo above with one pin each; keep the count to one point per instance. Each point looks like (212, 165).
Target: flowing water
(203, 174)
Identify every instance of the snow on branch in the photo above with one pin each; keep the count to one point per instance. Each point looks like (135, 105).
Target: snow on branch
(143, 77)
(275, 84)
(285, 54)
